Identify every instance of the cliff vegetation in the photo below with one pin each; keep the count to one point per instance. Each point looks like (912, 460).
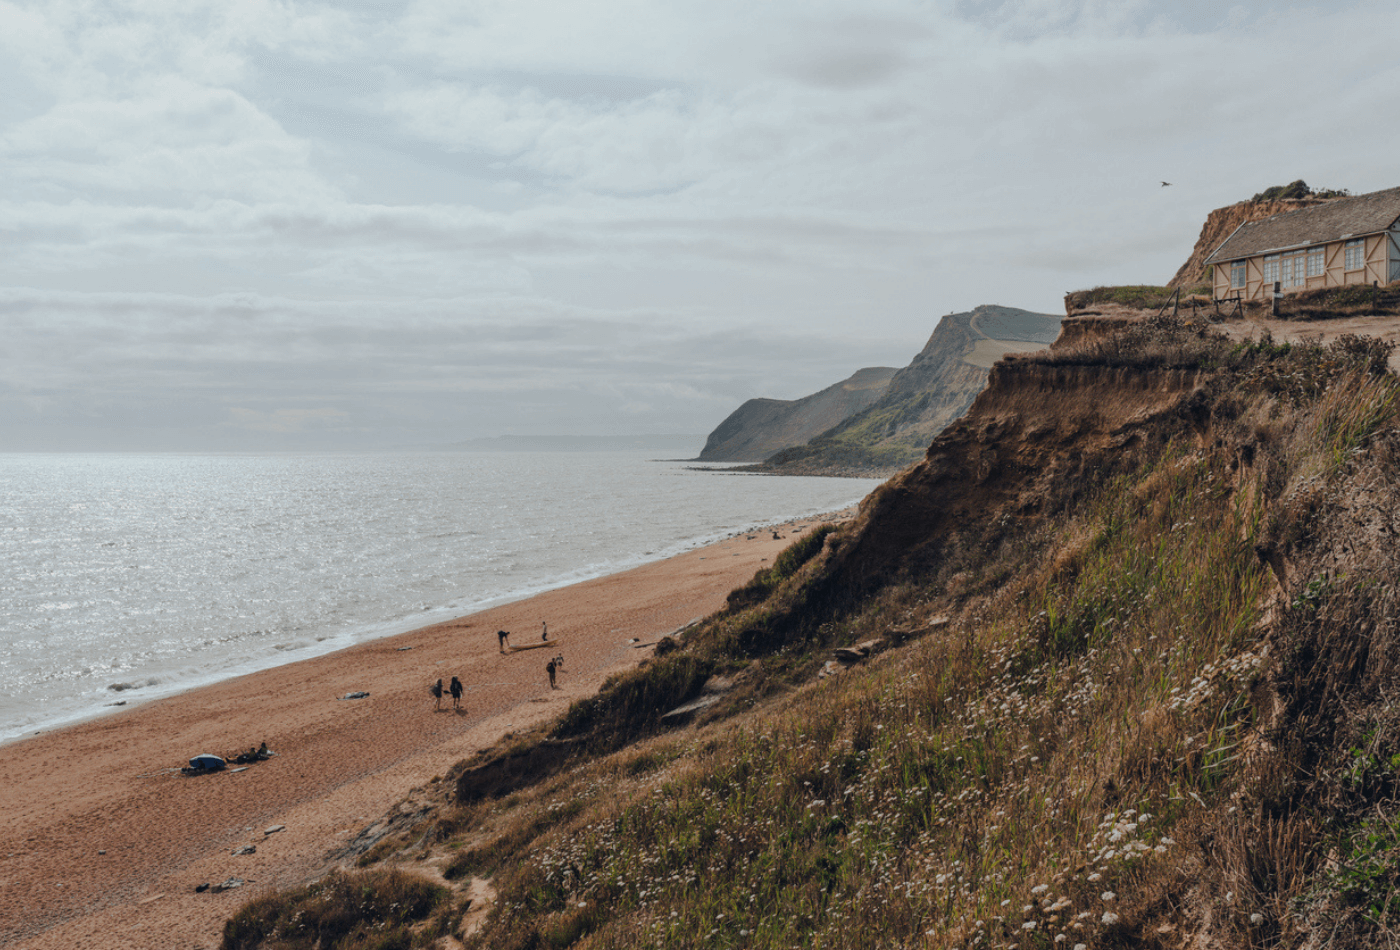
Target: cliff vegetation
(1117, 669)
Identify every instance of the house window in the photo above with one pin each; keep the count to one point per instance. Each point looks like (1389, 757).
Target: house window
(1291, 271)
(1356, 254)
(1237, 275)
(1270, 268)
(1316, 264)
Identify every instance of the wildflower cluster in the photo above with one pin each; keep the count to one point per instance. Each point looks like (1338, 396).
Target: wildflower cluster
(1215, 677)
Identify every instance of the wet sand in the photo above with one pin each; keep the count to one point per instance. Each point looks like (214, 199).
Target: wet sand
(103, 841)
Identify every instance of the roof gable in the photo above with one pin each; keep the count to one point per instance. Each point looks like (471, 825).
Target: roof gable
(1330, 221)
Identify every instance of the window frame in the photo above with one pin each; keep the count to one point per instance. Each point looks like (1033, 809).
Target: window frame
(1271, 269)
(1355, 246)
(1293, 268)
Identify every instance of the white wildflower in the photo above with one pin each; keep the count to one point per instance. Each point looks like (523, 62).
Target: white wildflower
(1109, 919)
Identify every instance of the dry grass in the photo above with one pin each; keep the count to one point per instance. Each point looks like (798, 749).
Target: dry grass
(376, 910)
(1162, 714)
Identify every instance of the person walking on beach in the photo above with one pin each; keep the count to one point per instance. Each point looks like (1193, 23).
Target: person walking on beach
(503, 638)
(550, 668)
(456, 688)
(436, 690)
(545, 634)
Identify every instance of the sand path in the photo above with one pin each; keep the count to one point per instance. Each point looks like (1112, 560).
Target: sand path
(103, 841)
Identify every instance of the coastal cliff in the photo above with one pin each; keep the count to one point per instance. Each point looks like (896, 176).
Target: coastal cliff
(1111, 665)
(761, 427)
(923, 398)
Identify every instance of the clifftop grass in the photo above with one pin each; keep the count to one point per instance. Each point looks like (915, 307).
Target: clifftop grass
(1153, 718)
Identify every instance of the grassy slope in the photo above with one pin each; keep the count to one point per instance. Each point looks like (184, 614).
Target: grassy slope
(1161, 710)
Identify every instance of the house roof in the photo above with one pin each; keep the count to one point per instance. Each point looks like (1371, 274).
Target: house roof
(1318, 224)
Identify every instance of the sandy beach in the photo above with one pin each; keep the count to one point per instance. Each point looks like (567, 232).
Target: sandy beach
(103, 841)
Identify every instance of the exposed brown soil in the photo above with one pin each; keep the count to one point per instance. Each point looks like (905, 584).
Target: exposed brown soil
(1033, 433)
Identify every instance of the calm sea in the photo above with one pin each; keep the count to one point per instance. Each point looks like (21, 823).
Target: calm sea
(126, 577)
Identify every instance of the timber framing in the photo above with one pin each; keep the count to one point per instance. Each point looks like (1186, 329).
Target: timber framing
(1352, 240)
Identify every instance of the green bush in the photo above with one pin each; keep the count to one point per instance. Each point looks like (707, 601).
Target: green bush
(1141, 296)
(1298, 189)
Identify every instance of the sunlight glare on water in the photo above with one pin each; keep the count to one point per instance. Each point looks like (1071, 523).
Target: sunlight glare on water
(131, 576)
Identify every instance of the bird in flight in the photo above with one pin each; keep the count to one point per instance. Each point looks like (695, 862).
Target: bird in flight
(1166, 184)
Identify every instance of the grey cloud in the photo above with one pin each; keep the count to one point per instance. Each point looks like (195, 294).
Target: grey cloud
(341, 225)
(209, 367)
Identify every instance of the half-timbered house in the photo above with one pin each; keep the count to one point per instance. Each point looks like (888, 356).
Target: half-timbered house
(1352, 240)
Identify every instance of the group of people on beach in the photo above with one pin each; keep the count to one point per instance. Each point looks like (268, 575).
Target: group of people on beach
(551, 669)
(455, 688)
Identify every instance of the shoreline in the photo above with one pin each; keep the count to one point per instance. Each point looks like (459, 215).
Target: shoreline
(103, 841)
(135, 697)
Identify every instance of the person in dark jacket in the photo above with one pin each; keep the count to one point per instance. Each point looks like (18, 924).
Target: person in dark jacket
(456, 689)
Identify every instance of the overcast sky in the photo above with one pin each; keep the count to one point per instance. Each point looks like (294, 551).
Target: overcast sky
(251, 224)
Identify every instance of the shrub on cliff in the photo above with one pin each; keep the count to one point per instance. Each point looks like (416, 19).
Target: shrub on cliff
(366, 911)
(1139, 296)
(630, 703)
(1298, 189)
(787, 564)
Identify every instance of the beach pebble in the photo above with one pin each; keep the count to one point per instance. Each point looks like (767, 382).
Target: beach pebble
(246, 849)
(228, 885)
(274, 829)
(358, 694)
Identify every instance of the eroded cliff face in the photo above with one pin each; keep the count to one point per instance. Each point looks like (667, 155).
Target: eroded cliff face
(1037, 434)
(1221, 223)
